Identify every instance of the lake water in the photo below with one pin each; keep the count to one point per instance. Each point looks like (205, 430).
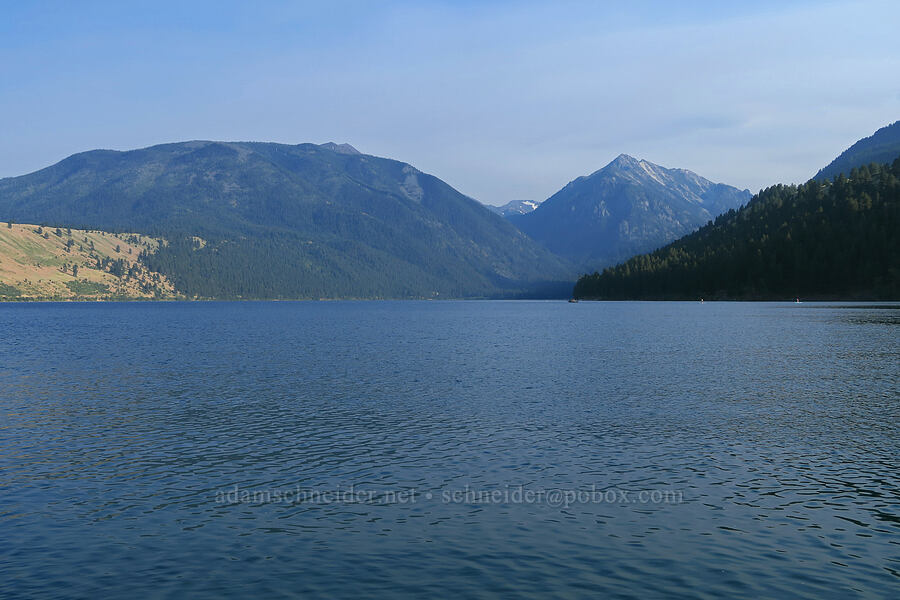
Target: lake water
(473, 449)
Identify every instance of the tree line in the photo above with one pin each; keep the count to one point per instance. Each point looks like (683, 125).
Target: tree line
(832, 239)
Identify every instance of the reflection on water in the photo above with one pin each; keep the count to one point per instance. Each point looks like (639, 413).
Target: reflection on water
(475, 448)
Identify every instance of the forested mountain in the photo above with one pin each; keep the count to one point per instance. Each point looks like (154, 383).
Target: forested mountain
(628, 207)
(263, 220)
(514, 207)
(881, 147)
(838, 238)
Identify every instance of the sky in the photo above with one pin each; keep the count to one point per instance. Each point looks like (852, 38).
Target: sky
(502, 100)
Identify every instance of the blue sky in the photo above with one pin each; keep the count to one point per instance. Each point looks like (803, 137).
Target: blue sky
(503, 100)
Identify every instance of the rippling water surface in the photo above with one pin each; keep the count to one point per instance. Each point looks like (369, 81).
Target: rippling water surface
(474, 449)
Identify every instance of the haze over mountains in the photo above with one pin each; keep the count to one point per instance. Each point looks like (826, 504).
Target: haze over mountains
(265, 220)
(515, 207)
(627, 207)
(261, 220)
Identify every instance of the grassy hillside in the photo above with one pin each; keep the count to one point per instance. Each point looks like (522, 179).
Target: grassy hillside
(47, 263)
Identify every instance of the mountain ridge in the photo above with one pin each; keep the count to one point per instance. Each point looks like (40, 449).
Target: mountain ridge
(514, 207)
(301, 220)
(883, 146)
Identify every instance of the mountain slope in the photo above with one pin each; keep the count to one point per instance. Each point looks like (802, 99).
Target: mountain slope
(514, 207)
(628, 207)
(287, 221)
(50, 263)
(881, 147)
(837, 239)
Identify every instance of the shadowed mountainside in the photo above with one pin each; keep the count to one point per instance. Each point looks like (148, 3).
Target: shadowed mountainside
(881, 147)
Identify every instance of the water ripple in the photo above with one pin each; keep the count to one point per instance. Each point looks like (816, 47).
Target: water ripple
(769, 432)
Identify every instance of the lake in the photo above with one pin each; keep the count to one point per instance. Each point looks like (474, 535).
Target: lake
(473, 449)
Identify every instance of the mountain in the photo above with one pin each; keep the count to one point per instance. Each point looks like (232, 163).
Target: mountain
(265, 220)
(514, 207)
(627, 207)
(340, 148)
(832, 239)
(881, 147)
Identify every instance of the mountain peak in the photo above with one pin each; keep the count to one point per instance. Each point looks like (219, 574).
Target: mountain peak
(339, 148)
(624, 160)
(638, 170)
(627, 207)
(515, 207)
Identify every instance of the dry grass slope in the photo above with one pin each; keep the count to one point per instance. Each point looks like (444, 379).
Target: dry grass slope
(49, 263)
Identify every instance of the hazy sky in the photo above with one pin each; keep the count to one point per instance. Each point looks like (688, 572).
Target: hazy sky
(503, 100)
